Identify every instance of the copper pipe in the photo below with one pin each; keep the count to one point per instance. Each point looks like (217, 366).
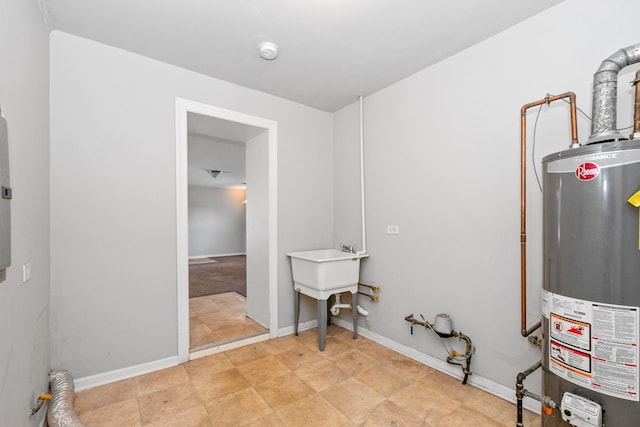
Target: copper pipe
(523, 195)
(636, 111)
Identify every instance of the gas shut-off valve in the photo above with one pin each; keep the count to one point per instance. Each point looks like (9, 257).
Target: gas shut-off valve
(580, 412)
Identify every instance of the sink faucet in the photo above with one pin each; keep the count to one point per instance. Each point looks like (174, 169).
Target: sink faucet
(348, 249)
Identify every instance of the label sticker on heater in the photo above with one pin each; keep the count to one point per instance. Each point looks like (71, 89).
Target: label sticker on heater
(595, 345)
(571, 332)
(545, 303)
(574, 358)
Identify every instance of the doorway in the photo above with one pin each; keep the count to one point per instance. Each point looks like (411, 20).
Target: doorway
(259, 137)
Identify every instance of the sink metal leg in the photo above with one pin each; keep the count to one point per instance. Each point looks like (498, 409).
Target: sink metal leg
(296, 312)
(354, 314)
(322, 319)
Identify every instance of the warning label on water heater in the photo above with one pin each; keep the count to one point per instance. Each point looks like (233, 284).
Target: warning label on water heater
(594, 345)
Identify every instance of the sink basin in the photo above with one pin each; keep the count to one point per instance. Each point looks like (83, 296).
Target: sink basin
(324, 272)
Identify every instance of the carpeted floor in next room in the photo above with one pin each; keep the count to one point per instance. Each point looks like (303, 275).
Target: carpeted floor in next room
(222, 274)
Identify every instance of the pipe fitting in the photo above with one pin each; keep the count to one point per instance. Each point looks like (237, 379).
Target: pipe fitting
(335, 308)
(362, 311)
(521, 392)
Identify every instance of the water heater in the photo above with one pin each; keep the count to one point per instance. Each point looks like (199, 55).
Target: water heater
(591, 291)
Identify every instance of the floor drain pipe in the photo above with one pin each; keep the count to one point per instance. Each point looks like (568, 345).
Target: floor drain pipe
(61, 413)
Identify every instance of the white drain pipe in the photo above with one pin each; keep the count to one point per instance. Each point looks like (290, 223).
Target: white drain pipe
(335, 308)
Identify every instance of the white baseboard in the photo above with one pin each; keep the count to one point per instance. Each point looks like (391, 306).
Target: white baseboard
(145, 368)
(124, 373)
(301, 327)
(228, 346)
(217, 255)
(256, 320)
(475, 380)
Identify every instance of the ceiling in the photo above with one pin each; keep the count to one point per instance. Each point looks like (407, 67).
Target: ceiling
(331, 51)
(217, 144)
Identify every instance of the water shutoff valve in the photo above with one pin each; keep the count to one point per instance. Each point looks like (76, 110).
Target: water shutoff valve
(580, 412)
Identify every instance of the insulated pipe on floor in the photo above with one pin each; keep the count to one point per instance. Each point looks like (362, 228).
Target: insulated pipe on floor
(523, 195)
(61, 413)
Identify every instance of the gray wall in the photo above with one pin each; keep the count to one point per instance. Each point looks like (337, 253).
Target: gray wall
(24, 308)
(216, 221)
(442, 162)
(113, 279)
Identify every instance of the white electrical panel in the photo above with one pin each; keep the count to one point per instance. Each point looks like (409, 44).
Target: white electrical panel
(580, 412)
(5, 199)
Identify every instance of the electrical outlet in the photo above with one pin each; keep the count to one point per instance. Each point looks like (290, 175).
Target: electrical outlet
(393, 229)
(26, 272)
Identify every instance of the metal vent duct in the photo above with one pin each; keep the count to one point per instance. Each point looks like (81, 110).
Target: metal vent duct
(605, 91)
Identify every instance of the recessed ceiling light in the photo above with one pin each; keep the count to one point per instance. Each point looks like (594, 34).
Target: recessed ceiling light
(268, 50)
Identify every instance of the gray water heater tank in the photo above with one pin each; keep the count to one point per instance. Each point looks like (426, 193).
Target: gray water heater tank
(591, 295)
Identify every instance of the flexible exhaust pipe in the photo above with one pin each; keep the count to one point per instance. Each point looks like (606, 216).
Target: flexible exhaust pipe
(61, 413)
(605, 94)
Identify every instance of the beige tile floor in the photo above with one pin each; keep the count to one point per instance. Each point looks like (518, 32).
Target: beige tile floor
(288, 382)
(220, 317)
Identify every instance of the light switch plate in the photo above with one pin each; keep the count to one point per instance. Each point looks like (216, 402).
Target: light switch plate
(26, 272)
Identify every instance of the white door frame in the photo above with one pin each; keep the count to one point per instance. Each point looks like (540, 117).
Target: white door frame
(184, 106)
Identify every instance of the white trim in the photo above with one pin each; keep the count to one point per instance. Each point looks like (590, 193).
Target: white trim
(256, 320)
(184, 106)
(182, 239)
(475, 380)
(228, 346)
(273, 229)
(217, 255)
(302, 327)
(123, 374)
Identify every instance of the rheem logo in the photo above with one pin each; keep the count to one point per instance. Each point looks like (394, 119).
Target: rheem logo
(587, 171)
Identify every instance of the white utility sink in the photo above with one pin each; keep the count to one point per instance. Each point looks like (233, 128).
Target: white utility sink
(324, 272)
(320, 274)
